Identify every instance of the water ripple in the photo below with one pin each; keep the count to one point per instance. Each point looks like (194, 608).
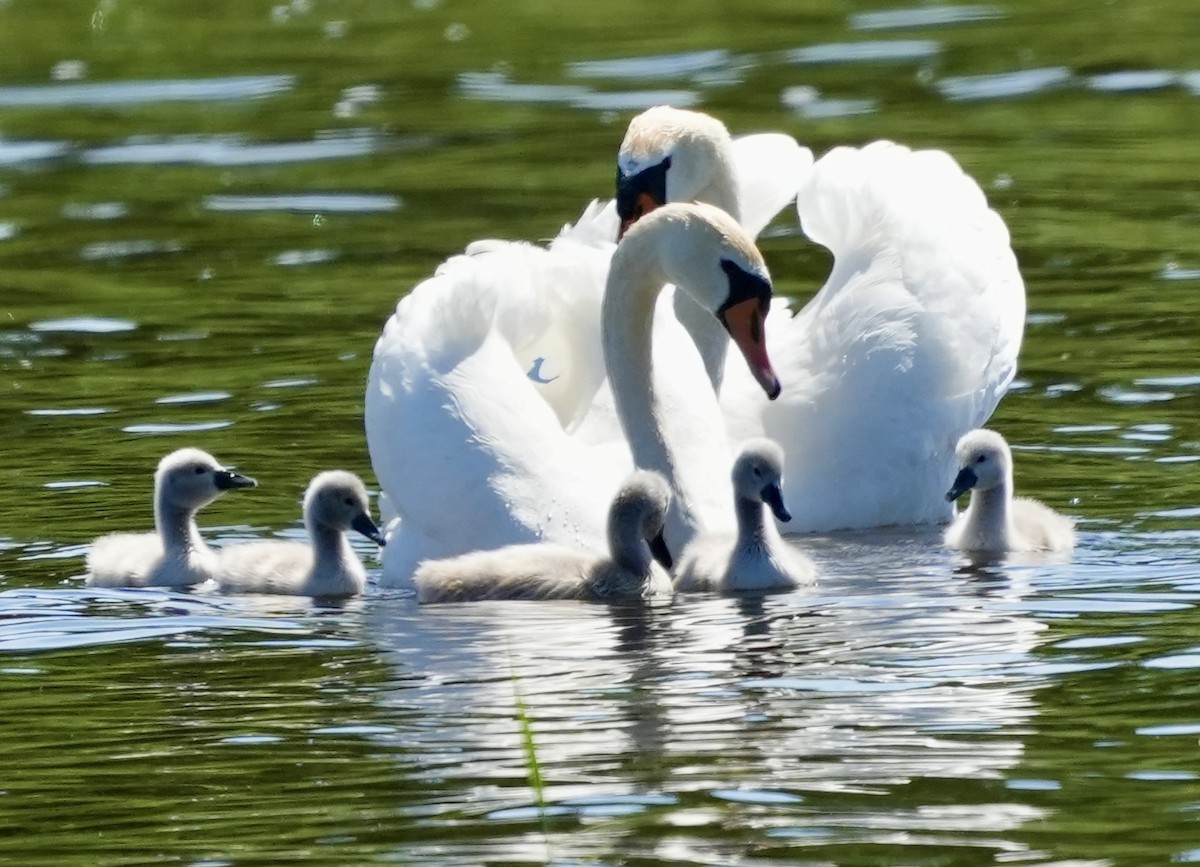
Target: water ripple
(930, 16)
(240, 87)
(83, 325)
(305, 203)
(1005, 84)
(865, 52)
(232, 150)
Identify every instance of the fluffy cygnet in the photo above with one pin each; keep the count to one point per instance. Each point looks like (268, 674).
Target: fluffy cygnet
(995, 521)
(174, 555)
(546, 571)
(335, 501)
(757, 558)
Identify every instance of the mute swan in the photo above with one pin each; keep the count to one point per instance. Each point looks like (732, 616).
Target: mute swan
(489, 380)
(911, 342)
(473, 455)
(175, 555)
(756, 558)
(996, 521)
(335, 501)
(548, 571)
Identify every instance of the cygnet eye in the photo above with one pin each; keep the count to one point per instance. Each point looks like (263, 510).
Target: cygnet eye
(198, 470)
(349, 501)
(758, 471)
(981, 459)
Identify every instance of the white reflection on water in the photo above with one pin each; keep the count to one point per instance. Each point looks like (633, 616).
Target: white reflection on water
(660, 66)
(232, 150)
(350, 203)
(928, 16)
(865, 52)
(1005, 84)
(240, 87)
(498, 87)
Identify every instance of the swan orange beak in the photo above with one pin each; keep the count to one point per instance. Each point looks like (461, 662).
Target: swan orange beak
(744, 322)
(642, 205)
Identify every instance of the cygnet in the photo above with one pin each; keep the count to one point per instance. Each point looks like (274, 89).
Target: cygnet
(175, 555)
(547, 571)
(757, 559)
(994, 520)
(335, 501)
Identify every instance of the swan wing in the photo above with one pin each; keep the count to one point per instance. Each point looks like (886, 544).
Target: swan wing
(911, 342)
(770, 168)
(470, 448)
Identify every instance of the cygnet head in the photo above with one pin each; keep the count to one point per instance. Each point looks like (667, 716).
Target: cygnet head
(189, 478)
(758, 476)
(337, 500)
(643, 501)
(984, 463)
(669, 155)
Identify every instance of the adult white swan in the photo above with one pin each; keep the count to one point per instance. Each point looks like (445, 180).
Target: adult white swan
(911, 342)
(473, 456)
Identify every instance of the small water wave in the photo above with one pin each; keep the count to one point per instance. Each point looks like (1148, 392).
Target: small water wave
(878, 51)
(498, 87)
(306, 203)
(232, 150)
(928, 16)
(157, 428)
(34, 620)
(651, 67)
(83, 325)
(234, 88)
(1005, 84)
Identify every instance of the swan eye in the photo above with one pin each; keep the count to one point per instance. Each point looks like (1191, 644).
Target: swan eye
(349, 501)
(198, 470)
(981, 459)
(757, 471)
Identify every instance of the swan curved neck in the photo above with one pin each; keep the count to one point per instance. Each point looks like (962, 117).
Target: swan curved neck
(712, 342)
(627, 321)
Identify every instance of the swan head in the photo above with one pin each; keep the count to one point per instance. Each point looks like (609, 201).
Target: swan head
(758, 476)
(703, 250)
(984, 463)
(338, 500)
(672, 155)
(190, 478)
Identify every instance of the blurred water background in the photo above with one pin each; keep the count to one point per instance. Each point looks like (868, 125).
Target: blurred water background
(208, 210)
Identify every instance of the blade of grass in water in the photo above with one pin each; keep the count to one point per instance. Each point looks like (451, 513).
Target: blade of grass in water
(533, 768)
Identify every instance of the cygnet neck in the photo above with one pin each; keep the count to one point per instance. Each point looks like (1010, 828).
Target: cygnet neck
(752, 528)
(988, 515)
(329, 544)
(176, 526)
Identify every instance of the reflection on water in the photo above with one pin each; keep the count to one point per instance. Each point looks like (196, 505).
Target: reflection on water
(201, 247)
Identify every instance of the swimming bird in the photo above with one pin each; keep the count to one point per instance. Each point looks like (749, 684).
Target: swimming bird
(756, 558)
(474, 457)
(910, 343)
(549, 571)
(174, 555)
(336, 501)
(994, 520)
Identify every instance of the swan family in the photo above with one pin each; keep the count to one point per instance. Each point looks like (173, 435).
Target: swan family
(529, 407)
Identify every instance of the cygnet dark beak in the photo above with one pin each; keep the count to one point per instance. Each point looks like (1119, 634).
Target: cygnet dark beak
(772, 495)
(228, 479)
(363, 524)
(963, 482)
(660, 551)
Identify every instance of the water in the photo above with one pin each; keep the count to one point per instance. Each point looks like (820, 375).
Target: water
(205, 220)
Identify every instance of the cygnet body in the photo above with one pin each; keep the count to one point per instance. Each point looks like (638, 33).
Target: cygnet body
(756, 559)
(174, 555)
(547, 571)
(994, 520)
(336, 501)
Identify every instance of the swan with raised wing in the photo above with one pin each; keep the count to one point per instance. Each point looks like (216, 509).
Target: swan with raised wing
(911, 342)
(473, 457)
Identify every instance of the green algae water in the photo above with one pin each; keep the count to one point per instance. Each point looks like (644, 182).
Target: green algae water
(208, 212)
